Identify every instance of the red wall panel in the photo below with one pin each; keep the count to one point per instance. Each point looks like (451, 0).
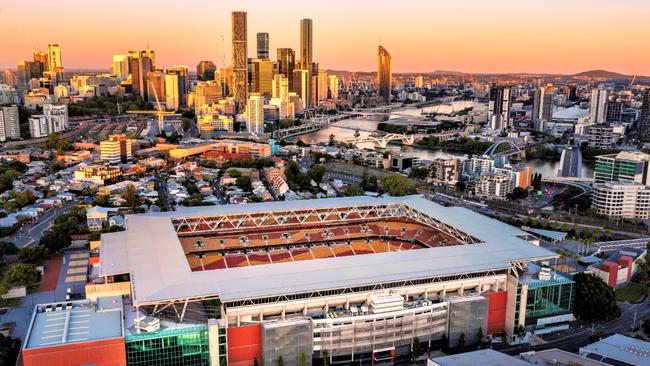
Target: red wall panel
(612, 269)
(497, 307)
(109, 352)
(244, 345)
(627, 261)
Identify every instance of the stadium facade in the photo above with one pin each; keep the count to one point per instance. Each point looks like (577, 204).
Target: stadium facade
(348, 279)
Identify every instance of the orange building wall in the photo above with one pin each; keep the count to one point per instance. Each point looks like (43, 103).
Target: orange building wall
(109, 352)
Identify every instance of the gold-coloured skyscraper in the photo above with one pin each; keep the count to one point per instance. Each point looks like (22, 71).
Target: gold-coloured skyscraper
(384, 75)
(306, 58)
(239, 60)
(53, 57)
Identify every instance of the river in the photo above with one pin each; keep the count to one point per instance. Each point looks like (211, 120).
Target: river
(548, 168)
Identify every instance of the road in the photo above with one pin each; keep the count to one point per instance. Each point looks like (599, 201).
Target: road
(163, 193)
(32, 232)
(578, 337)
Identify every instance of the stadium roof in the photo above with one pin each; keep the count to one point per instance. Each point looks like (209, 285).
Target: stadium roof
(617, 349)
(151, 252)
(488, 357)
(548, 234)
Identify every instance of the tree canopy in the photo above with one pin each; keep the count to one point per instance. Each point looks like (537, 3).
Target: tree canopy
(595, 300)
(397, 185)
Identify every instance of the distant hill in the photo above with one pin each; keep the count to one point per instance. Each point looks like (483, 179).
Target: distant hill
(601, 74)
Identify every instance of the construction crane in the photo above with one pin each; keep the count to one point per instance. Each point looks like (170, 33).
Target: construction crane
(160, 112)
(632, 82)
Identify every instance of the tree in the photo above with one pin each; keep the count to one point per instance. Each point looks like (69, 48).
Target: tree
(479, 336)
(595, 300)
(131, 197)
(444, 342)
(280, 361)
(186, 123)
(303, 359)
(256, 362)
(34, 254)
(518, 193)
(9, 350)
(416, 350)
(461, 186)
(397, 185)
(7, 247)
(316, 173)
(52, 140)
(461, 340)
(244, 183)
(102, 200)
(22, 274)
(353, 190)
(419, 173)
(332, 140)
(326, 358)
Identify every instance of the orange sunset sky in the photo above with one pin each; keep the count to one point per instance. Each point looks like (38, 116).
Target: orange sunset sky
(549, 36)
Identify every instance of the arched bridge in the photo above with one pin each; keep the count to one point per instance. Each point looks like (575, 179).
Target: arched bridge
(382, 140)
(509, 148)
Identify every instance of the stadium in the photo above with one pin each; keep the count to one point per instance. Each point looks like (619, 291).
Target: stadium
(348, 279)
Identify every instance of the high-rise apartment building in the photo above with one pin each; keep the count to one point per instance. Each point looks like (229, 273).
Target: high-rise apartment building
(205, 70)
(183, 82)
(613, 112)
(384, 75)
(117, 149)
(172, 93)
(42, 59)
(262, 77)
(120, 66)
(597, 105)
(322, 86)
(306, 59)
(644, 121)
(543, 106)
(9, 123)
(54, 119)
(302, 84)
(286, 64)
(499, 107)
(333, 87)
(239, 59)
(255, 113)
(280, 87)
(156, 87)
(53, 57)
(419, 82)
(263, 46)
(141, 65)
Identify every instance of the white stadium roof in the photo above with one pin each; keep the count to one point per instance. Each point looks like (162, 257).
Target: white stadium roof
(150, 251)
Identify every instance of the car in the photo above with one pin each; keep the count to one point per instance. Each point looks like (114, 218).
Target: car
(3, 311)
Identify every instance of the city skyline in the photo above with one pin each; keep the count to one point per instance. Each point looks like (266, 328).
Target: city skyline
(422, 38)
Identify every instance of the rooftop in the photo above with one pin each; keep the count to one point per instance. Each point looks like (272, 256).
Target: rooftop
(486, 357)
(618, 347)
(151, 252)
(75, 321)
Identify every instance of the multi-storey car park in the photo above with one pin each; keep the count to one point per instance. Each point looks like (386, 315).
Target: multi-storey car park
(348, 279)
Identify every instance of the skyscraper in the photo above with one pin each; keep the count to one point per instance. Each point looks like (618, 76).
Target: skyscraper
(262, 77)
(333, 87)
(172, 93)
(302, 84)
(323, 85)
(255, 113)
(543, 106)
(141, 66)
(53, 57)
(280, 87)
(286, 64)
(263, 46)
(205, 70)
(644, 121)
(41, 59)
(120, 66)
(384, 75)
(306, 58)
(183, 83)
(597, 105)
(156, 87)
(239, 60)
(499, 107)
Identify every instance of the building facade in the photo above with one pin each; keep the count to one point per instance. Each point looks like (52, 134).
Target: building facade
(240, 59)
(9, 123)
(384, 75)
